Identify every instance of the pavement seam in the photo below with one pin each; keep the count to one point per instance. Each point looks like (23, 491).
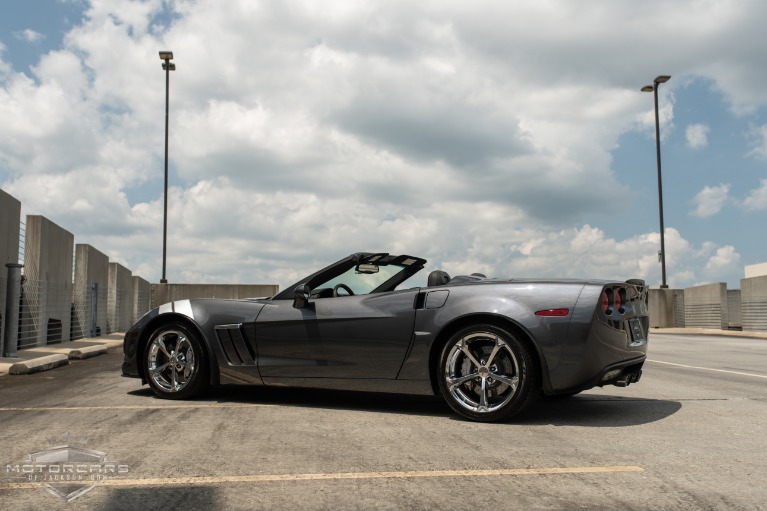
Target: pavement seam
(256, 478)
(131, 407)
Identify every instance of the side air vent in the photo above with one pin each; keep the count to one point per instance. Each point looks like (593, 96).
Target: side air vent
(236, 348)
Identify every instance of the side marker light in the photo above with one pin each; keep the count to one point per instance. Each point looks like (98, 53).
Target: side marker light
(553, 313)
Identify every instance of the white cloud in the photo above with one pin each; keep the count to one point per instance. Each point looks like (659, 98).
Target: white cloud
(5, 68)
(697, 136)
(665, 117)
(757, 198)
(29, 36)
(723, 263)
(710, 200)
(479, 136)
(759, 141)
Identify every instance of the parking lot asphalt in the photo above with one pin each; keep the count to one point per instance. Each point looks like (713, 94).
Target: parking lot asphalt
(689, 435)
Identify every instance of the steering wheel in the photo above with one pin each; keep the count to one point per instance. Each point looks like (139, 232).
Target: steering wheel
(344, 287)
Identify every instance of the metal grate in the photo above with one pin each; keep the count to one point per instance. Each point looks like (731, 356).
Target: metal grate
(754, 316)
(89, 310)
(703, 315)
(45, 313)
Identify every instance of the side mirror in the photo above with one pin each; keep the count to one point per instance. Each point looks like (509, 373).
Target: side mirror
(301, 296)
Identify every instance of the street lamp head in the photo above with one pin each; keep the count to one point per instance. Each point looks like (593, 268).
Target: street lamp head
(662, 79)
(166, 55)
(648, 88)
(168, 66)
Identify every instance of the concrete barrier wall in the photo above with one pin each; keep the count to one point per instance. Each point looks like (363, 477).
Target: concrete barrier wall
(706, 306)
(164, 293)
(664, 309)
(90, 291)
(120, 302)
(10, 216)
(47, 291)
(734, 310)
(679, 309)
(753, 295)
(142, 295)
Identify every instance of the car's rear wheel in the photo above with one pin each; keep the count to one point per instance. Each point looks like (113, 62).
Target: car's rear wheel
(487, 374)
(175, 362)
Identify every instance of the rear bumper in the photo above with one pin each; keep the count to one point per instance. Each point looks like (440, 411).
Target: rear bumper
(620, 374)
(610, 352)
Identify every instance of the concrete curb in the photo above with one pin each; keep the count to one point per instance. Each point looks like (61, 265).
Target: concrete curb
(39, 364)
(87, 352)
(43, 358)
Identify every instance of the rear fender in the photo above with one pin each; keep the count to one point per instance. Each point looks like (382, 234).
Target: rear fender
(514, 308)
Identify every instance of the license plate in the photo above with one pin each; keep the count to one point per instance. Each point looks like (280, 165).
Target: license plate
(637, 335)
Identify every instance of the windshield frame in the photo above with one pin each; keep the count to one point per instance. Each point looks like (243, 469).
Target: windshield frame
(410, 266)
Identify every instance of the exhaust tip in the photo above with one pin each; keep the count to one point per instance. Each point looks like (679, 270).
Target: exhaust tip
(627, 379)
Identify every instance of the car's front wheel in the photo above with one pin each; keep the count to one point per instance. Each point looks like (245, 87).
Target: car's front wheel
(487, 374)
(175, 362)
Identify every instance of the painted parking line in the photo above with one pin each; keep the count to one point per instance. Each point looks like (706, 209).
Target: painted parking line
(708, 369)
(209, 480)
(131, 407)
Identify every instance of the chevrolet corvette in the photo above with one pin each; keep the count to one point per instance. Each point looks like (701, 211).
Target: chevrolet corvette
(488, 346)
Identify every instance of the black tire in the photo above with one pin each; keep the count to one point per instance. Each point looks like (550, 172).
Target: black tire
(486, 360)
(176, 364)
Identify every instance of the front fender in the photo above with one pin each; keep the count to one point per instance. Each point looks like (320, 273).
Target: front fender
(137, 337)
(202, 315)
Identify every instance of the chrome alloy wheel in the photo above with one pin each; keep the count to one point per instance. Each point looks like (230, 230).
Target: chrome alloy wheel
(171, 360)
(482, 372)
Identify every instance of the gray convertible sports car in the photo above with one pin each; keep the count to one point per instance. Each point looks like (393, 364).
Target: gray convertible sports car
(489, 346)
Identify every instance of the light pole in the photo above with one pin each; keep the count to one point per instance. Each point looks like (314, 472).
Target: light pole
(168, 66)
(654, 89)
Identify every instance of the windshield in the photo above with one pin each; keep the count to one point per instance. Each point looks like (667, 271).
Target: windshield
(362, 283)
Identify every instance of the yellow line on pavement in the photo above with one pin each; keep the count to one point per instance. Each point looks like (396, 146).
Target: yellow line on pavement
(130, 407)
(709, 369)
(208, 480)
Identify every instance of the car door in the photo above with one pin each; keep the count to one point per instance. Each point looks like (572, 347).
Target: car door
(361, 336)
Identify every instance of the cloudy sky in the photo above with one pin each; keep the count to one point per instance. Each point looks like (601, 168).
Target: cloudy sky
(505, 137)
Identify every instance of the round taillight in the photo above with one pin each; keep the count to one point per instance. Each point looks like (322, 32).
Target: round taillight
(617, 302)
(604, 302)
